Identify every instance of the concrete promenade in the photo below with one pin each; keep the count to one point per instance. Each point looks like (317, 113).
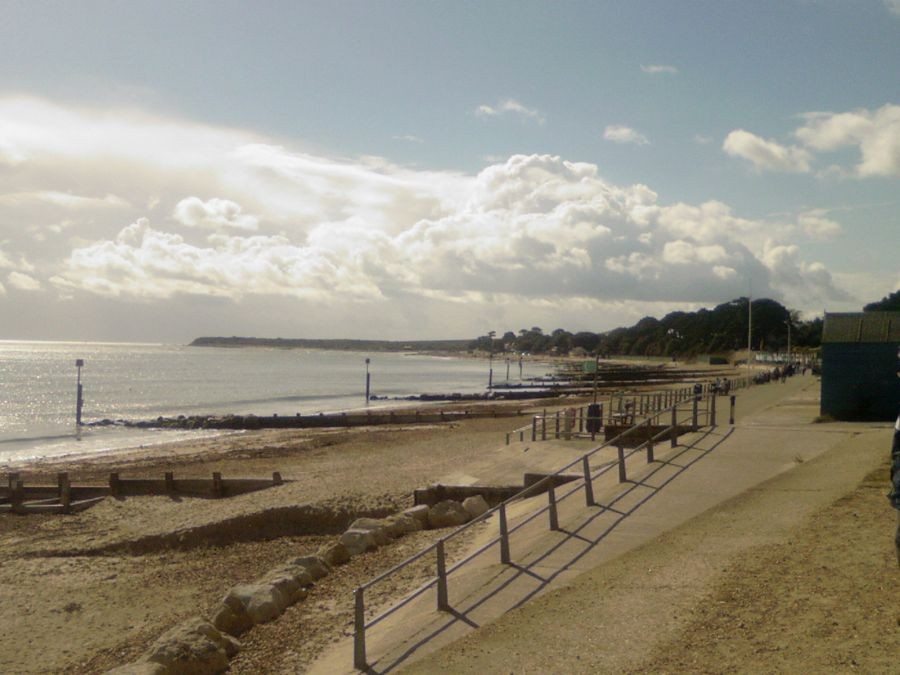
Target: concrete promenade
(751, 481)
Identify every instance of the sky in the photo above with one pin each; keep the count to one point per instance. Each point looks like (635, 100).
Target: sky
(424, 169)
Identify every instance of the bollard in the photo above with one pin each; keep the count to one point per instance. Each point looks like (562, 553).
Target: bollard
(65, 489)
(544, 425)
(621, 450)
(534, 429)
(13, 478)
(731, 414)
(557, 425)
(217, 484)
(443, 603)
(551, 498)
(694, 424)
(649, 441)
(276, 478)
(712, 411)
(359, 632)
(504, 536)
(170, 482)
(114, 485)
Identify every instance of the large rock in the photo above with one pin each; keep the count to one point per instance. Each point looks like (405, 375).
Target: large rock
(358, 541)
(193, 647)
(333, 554)
(313, 564)
(419, 512)
(475, 506)
(226, 620)
(447, 513)
(289, 589)
(376, 526)
(400, 524)
(261, 602)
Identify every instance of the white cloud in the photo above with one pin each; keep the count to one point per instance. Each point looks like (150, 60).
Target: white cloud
(214, 214)
(510, 106)
(875, 133)
(618, 133)
(817, 226)
(766, 155)
(893, 6)
(532, 231)
(659, 69)
(23, 282)
(409, 138)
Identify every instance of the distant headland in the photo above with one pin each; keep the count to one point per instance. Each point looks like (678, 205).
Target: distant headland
(335, 344)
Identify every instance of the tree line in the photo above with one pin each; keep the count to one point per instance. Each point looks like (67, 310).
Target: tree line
(706, 331)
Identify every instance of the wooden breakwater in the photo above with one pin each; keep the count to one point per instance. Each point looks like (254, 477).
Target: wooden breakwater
(42, 496)
(298, 421)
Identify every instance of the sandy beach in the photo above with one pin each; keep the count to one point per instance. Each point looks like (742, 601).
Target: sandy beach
(91, 591)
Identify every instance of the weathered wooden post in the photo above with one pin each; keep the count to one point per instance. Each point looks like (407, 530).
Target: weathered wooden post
(65, 491)
(588, 482)
(504, 535)
(694, 406)
(114, 485)
(443, 602)
(359, 631)
(649, 440)
(170, 482)
(621, 452)
(551, 498)
(217, 484)
(534, 428)
(368, 380)
(731, 414)
(79, 399)
(712, 410)
(276, 478)
(674, 434)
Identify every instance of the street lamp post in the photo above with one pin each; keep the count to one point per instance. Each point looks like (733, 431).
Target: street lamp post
(788, 324)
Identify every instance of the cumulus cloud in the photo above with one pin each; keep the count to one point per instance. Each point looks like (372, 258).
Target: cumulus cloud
(817, 226)
(618, 133)
(531, 231)
(659, 69)
(214, 214)
(875, 133)
(510, 107)
(23, 282)
(766, 155)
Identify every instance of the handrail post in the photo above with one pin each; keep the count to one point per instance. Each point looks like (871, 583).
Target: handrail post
(554, 516)
(731, 415)
(712, 410)
(674, 434)
(621, 450)
(649, 440)
(504, 536)
(534, 428)
(694, 406)
(556, 436)
(588, 482)
(359, 632)
(443, 603)
(544, 425)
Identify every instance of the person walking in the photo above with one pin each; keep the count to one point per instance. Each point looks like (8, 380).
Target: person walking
(894, 495)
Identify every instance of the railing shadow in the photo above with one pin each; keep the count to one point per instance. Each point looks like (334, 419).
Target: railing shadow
(506, 575)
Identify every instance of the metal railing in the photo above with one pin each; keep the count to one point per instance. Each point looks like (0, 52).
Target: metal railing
(615, 409)
(668, 432)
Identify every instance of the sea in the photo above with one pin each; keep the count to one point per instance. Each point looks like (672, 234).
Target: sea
(38, 389)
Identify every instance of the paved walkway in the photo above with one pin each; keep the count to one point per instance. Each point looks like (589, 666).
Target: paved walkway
(772, 435)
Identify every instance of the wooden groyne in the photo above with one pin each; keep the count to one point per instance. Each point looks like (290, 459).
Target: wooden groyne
(298, 421)
(63, 497)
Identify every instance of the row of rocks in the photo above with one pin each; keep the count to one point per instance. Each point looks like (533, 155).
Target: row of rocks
(199, 646)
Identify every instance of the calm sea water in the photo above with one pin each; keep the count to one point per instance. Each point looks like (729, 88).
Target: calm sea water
(132, 381)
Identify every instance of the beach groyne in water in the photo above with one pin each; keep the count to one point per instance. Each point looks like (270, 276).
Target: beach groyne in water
(298, 421)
